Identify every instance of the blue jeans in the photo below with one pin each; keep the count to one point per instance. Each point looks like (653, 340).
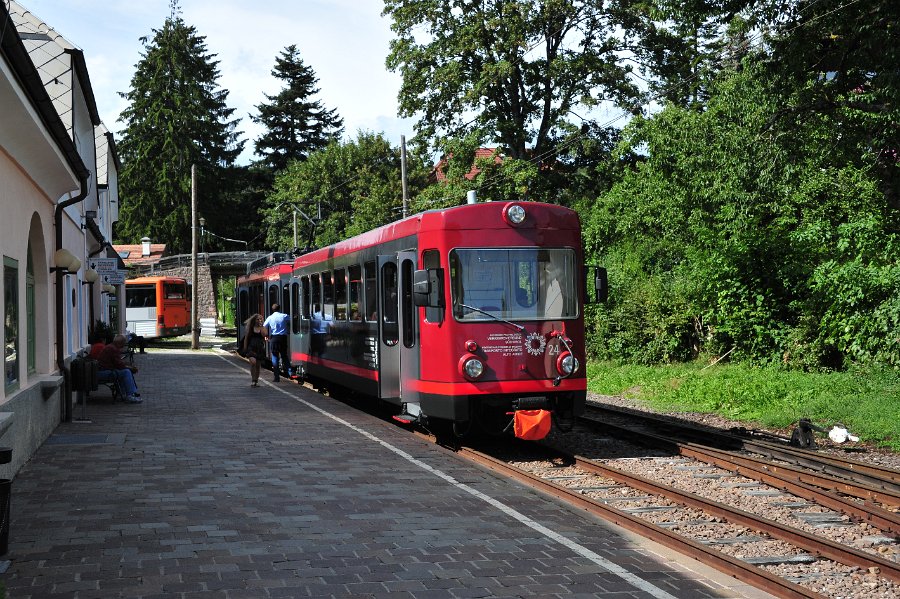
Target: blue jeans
(124, 378)
(278, 347)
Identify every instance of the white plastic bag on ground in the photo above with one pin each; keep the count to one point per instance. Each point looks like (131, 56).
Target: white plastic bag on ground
(839, 434)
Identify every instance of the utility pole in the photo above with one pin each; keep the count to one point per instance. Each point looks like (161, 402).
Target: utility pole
(403, 175)
(195, 328)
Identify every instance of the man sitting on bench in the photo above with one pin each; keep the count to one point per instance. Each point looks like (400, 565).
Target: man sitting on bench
(113, 368)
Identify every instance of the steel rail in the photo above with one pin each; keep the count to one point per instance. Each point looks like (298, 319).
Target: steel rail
(787, 478)
(734, 567)
(886, 480)
(840, 553)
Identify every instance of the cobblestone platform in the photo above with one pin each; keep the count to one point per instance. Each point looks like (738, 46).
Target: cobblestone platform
(213, 489)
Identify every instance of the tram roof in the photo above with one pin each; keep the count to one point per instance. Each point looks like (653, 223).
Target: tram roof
(481, 216)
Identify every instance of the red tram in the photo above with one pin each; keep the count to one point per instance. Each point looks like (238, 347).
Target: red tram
(471, 315)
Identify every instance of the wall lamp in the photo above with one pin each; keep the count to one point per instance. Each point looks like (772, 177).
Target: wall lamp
(90, 276)
(65, 262)
(107, 288)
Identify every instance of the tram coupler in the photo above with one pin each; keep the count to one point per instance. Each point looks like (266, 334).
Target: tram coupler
(531, 403)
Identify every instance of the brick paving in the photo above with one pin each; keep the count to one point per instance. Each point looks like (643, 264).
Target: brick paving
(214, 489)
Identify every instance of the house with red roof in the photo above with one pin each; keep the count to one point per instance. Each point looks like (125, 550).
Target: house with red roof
(143, 254)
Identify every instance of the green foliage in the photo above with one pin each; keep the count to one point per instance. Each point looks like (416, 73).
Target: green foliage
(176, 118)
(510, 62)
(295, 125)
(727, 236)
(867, 401)
(355, 184)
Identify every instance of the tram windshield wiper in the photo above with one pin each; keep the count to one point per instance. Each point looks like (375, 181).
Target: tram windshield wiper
(494, 316)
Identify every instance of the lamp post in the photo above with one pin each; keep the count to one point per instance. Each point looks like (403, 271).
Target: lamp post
(202, 231)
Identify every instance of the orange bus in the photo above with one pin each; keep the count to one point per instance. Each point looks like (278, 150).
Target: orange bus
(158, 306)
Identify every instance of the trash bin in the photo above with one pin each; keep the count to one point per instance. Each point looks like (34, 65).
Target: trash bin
(5, 491)
(84, 374)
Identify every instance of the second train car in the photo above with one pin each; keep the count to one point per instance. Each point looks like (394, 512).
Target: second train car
(472, 315)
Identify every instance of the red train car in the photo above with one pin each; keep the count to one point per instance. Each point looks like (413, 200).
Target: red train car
(258, 290)
(471, 315)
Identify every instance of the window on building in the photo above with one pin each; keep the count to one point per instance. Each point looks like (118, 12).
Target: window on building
(30, 334)
(11, 323)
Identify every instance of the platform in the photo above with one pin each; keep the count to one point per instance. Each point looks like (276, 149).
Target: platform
(212, 488)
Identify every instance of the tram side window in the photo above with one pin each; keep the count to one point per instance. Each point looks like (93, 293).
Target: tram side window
(304, 283)
(340, 294)
(431, 259)
(389, 329)
(256, 299)
(316, 294)
(295, 307)
(243, 306)
(409, 310)
(327, 296)
(273, 297)
(371, 298)
(355, 290)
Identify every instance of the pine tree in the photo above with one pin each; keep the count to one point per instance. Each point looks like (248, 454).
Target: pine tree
(177, 117)
(296, 126)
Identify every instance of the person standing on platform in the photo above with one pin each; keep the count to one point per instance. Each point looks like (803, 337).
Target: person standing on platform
(277, 325)
(254, 347)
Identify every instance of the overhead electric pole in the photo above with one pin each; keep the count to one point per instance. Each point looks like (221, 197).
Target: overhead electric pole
(195, 325)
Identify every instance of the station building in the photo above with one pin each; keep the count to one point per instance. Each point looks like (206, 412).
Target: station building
(58, 202)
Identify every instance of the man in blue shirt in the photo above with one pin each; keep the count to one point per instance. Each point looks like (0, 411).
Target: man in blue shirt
(277, 325)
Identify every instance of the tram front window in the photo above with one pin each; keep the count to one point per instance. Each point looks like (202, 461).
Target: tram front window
(513, 284)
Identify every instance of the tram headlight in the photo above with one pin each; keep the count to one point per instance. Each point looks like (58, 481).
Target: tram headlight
(567, 364)
(472, 367)
(514, 214)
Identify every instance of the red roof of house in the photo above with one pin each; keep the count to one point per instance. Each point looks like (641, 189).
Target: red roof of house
(479, 154)
(132, 254)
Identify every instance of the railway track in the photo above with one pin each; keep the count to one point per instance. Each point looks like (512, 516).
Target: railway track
(763, 551)
(789, 529)
(883, 479)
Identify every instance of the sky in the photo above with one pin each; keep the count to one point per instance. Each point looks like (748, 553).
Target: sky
(345, 42)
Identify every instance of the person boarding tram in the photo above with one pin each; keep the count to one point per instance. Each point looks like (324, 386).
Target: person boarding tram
(277, 326)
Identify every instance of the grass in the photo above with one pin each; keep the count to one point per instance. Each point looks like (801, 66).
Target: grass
(866, 402)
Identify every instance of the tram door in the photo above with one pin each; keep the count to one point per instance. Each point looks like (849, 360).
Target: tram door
(397, 331)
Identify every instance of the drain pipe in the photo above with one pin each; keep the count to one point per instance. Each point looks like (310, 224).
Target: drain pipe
(66, 404)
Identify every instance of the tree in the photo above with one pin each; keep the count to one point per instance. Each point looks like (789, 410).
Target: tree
(733, 233)
(355, 185)
(296, 126)
(841, 60)
(177, 117)
(685, 44)
(511, 70)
